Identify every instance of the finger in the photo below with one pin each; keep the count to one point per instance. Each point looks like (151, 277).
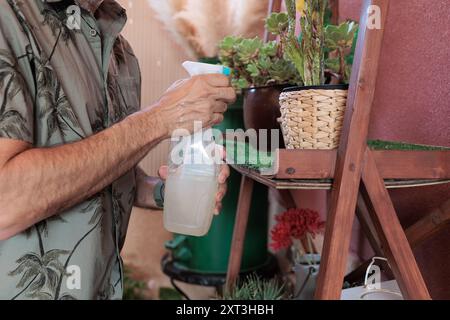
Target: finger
(222, 152)
(227, 94)
(217, 118)
(163, 172)
(221, 192)
(216, 80)
(224, 174)
(218, 209)
(219, 107)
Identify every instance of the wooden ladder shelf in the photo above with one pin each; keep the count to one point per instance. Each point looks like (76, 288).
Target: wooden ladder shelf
(358, 178)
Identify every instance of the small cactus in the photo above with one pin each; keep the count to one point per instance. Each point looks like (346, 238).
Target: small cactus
(318, 47)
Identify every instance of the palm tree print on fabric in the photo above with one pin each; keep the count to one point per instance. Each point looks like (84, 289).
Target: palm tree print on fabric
(96, 208)
(120, 106)
(66, 264)
(39, 271)
(55, 106)
(57, 21)
(119, 111)
(117, 202)
(44, 225)
(42, 273)
(99, 123)
(12, 123)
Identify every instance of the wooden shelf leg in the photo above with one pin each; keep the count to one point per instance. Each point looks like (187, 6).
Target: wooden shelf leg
(336, 247)
(240, 226)
(391, 234)
(347, 177)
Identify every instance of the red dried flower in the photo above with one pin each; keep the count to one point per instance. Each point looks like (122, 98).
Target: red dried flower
(295, 224)
(281, 236)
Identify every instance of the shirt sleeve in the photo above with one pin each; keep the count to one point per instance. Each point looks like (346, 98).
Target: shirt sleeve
(16, 104)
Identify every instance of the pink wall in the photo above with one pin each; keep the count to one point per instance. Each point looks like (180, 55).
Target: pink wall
(413, 104)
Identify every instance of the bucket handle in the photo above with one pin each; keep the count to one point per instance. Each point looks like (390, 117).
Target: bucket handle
(366, 281)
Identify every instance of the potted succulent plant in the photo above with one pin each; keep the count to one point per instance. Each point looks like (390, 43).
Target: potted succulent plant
(296, 230)
(255, 288)
(312, 116)
(260, 72)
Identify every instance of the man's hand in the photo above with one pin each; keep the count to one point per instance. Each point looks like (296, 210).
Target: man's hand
(222, 179)
(201, 98)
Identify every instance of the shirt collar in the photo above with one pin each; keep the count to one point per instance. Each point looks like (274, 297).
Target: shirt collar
(111, 16)
(90, 5)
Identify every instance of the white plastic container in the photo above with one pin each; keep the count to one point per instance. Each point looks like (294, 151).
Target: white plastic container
(191, 186)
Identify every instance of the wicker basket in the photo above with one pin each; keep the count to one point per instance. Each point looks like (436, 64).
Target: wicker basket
(312, 117)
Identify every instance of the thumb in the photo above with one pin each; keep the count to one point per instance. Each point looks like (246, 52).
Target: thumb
(163, 172)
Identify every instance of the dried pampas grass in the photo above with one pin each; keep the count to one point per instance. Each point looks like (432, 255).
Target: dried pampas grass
(247, 17)
(178, 5)
(204, 24)
(199, 25)
(165, 11)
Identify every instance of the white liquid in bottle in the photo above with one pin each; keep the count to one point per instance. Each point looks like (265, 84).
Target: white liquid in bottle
(191, 186)
(189, 203)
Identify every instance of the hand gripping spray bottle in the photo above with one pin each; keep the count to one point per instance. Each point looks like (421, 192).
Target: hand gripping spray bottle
(191, 186)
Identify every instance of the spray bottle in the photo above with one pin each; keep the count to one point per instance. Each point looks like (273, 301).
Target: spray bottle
(192, 185)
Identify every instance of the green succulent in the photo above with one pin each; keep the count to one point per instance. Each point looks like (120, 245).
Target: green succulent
(270, 49)
(240, 83)
(277, 23)
(280, 69)
(253, 70)
(227, 49)
(254, 288)
(255, 63)
(341, 36)
(227, 46)
(339, 40)
(248, 49)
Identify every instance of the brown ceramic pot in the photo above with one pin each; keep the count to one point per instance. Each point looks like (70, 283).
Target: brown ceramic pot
(262, 108)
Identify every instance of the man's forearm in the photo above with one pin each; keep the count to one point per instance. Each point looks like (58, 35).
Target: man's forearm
(39, 183)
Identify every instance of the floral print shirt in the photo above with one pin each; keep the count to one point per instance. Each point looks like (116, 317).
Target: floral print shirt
(65, 76)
